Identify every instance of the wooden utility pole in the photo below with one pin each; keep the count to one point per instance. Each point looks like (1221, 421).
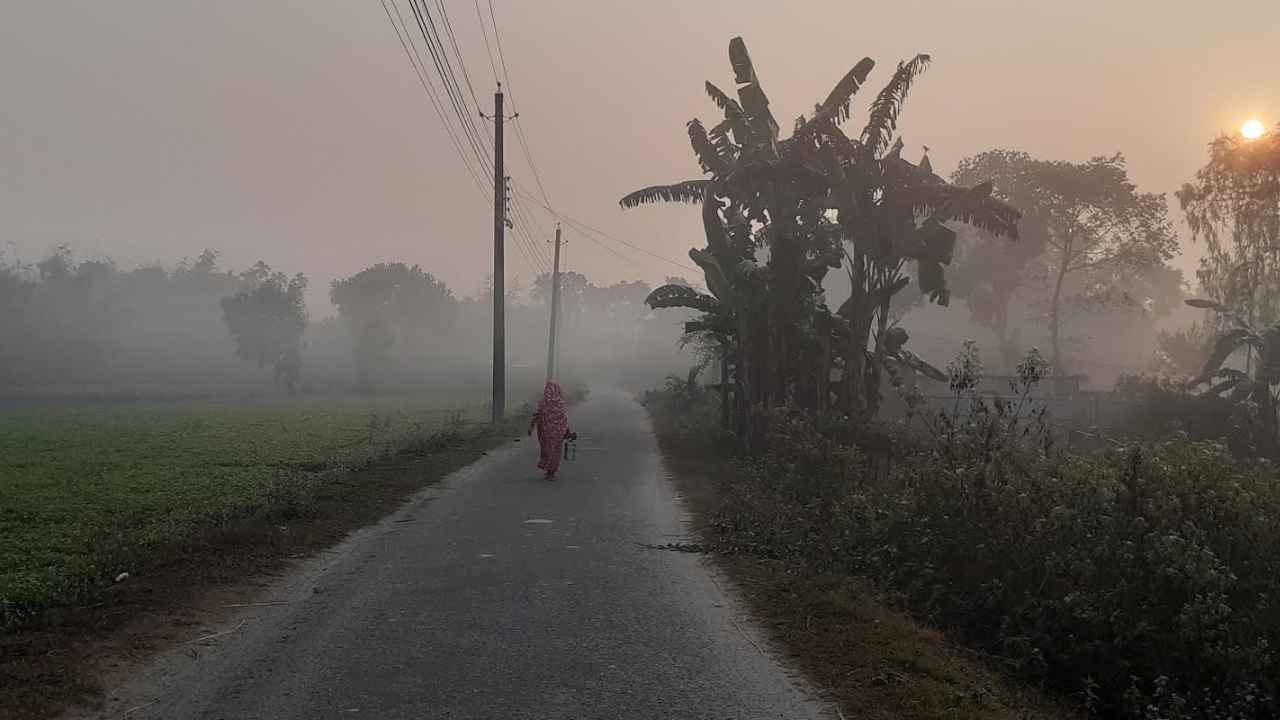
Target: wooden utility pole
(499, 291)
(555, 310)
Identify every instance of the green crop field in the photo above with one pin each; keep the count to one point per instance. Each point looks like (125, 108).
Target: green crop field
(87, 488)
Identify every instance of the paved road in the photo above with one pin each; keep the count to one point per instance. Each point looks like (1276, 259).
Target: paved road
(498, 595)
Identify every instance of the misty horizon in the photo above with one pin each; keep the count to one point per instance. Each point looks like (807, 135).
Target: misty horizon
(147, 134)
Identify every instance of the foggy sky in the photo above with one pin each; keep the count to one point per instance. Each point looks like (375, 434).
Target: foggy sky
(296, 132)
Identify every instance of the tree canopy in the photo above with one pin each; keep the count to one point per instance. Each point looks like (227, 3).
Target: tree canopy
(1233, 206)
(267, 318)
(1086, 230)
(391, 303)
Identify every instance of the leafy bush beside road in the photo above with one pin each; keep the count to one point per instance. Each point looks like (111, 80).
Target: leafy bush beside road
(1142, 581)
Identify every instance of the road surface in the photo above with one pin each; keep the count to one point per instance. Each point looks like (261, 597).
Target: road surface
(496, 595)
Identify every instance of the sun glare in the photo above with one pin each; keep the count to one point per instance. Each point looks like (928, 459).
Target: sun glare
(1252, 130)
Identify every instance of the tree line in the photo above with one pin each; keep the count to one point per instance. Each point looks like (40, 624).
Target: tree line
(74, 324)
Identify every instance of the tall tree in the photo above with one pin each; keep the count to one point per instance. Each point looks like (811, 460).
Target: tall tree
(990, 275)
(267, 318)
(1086, 222)
(392, 303)
(1233, 206)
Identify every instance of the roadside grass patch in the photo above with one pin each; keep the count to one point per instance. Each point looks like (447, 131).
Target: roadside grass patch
(231, 521)
(90, 491)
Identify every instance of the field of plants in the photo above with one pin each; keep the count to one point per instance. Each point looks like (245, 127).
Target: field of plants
(90, 489)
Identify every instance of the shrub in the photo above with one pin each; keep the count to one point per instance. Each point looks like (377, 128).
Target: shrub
(1159, 407)
(784, 501)
(1143, 580)
(1144, 574)
(685, 408)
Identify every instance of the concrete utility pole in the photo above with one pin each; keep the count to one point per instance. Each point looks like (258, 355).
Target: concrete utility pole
(499, 291)
(555, 310)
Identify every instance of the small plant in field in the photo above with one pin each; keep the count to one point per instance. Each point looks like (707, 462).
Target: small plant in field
(378, 426)
(964, 372)
(287, 495)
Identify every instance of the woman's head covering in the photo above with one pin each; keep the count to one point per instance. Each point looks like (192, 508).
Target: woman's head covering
(552, 411)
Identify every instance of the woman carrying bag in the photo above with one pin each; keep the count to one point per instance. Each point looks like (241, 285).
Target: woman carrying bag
(552, 422)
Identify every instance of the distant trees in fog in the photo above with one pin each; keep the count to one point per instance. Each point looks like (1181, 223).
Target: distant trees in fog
(1089, 241)
(389, 303)
(76, 325)
(90, 323)
(267, 318)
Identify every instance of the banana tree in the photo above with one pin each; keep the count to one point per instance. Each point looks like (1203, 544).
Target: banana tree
(894, 218)
(734, 299)
(1257, 389)
(805, 199)
(715, 330)
(760, 195)
(753, 200)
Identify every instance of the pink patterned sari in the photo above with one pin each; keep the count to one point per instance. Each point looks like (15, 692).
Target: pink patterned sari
(552, 421)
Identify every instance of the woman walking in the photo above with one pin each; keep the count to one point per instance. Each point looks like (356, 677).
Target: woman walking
(552, 423)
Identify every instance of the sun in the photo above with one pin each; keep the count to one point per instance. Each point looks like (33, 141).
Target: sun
(1252, 130)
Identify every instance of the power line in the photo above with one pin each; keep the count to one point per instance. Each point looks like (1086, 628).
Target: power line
(497, 40)
(453, 40)
(535, 259)
(485, 34)
(529, 218)
(525, 240)
(525, 243)
(406, 41)
(607, 248)
(534, 264)
(439, 53)
(524, 146)
(529, 247)
(584, 228)
(633, 246)
(521, 226)
(589, 233)
(440, 59)
(464, 112)
(506, 77)
(521, 221)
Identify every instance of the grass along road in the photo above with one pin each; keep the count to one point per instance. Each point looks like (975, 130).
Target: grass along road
(196, 500)
(90, 491)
